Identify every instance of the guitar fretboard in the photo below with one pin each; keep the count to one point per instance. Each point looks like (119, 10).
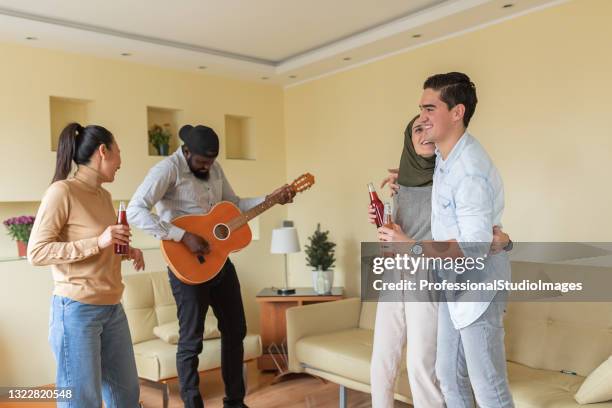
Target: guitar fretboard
(248, 215)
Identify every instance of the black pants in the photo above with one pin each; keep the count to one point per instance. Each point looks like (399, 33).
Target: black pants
(223, 294)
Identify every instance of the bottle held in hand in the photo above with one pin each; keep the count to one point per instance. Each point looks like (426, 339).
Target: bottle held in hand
(122, 220)
(377, 204)
(387, 218)
(387, 247)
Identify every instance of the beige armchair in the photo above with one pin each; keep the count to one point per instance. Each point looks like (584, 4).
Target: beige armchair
(148, 303)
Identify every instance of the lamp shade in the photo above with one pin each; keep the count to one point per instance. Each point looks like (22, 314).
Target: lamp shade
(284, 241)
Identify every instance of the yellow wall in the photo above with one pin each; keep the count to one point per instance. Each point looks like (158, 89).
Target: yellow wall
(119, 93)
(544, 87)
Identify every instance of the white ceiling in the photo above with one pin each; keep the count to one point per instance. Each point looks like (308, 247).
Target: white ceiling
(270, 30)
(275, 39)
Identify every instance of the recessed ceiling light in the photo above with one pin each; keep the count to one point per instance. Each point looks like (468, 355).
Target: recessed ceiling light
(125, 54)
(508, 5)
(264, 78)
(347, 58)
(417, 35)
(292, 76)
(202, 67)
(31, 38)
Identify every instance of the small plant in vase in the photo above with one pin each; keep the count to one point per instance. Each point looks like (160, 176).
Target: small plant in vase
(159, 137)
(19, 229)
(320, 256)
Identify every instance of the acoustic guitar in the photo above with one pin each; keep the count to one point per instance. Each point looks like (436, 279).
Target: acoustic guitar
(225, 228)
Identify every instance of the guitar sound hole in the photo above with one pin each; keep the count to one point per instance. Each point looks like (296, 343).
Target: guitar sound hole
(221, 231)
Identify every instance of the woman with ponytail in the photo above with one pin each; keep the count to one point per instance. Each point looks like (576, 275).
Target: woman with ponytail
(74, 232)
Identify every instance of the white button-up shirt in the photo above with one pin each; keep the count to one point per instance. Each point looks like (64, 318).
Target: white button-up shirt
(467, 201)
(173, 190)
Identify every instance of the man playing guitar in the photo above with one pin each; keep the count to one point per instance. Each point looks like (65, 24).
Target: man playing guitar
(191, 181)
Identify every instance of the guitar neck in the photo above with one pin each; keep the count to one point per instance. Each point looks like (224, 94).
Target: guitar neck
(302, 183)
(248, 215)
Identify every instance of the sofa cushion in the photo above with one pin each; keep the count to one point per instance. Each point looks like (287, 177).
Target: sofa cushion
(573, 336)
(165, 305)
(329, 353)
(346, 351)
(139, 305)
(156, 359)
(598, 385)
(367, 318)
(533, 388)
(169, 332)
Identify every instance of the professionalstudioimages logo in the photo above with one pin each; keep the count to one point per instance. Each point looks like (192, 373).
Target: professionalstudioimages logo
(528, 272)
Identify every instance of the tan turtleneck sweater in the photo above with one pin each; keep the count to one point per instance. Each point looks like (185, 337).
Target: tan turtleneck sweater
(72, 214)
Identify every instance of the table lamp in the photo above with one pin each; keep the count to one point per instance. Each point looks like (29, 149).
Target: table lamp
(285, 241)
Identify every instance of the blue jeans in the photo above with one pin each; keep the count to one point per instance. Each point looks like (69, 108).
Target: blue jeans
(94, 354)
(473, 358)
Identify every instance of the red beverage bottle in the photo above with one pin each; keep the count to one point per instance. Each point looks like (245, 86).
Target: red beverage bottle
(378, 206)
(122, 220)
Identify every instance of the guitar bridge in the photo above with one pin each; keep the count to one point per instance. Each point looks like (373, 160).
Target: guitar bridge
(201, 259)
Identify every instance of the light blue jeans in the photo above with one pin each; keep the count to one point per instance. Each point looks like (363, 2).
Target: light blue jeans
(473, 358)
(94, 354)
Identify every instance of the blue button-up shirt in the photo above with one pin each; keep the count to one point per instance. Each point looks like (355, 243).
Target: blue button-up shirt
(467, 201)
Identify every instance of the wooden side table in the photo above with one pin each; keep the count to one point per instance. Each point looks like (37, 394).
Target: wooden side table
(273, 321)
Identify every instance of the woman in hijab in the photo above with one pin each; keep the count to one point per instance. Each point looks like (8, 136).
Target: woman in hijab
(411, 322)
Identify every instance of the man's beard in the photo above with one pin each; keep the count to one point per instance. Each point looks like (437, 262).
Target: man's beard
(202, 175)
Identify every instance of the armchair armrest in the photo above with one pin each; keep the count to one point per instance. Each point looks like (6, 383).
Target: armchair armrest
(319, 318)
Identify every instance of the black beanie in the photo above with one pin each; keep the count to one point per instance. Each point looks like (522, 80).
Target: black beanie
(200, 140)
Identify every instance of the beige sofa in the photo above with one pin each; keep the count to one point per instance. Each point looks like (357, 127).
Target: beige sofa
(148, 302)
(334, 341)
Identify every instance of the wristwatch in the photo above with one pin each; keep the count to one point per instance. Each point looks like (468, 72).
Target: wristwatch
(417, 248)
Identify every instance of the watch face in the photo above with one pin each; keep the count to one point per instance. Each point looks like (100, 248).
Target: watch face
(417, 249)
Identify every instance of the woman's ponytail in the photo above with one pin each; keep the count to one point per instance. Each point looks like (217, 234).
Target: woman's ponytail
(66, 148)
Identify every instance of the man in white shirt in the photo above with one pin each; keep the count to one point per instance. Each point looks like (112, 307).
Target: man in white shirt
(191, 181)
(467, 201)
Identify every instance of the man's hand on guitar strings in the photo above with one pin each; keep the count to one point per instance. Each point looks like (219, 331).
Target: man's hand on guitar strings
(196, 243)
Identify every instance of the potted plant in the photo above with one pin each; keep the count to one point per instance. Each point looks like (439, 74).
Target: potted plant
(159, 137)
(320, 256)
(19, 228)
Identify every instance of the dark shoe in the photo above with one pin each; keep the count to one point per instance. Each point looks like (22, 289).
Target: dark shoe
(240, 405)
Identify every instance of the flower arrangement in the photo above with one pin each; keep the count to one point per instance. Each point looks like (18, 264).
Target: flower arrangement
(19, 228)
